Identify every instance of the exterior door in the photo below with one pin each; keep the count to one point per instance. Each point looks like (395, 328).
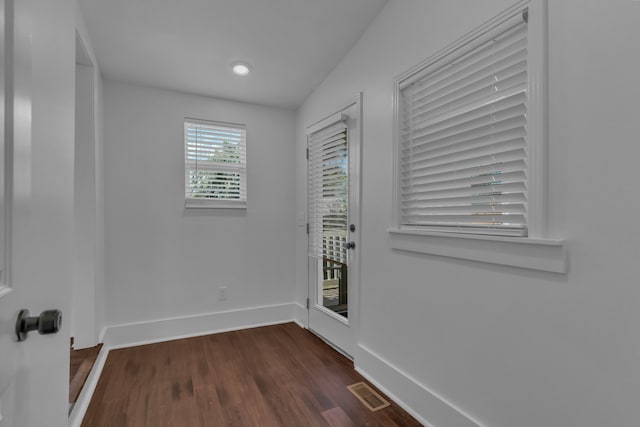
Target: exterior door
(35, 205)
(333, 212)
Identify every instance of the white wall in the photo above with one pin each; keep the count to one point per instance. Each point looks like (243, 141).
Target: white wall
(506, 346)
(163, 261)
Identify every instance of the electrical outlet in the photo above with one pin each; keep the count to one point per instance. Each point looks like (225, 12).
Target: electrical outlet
(222, 293)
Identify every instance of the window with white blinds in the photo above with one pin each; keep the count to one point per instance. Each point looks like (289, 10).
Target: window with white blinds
(215, 164)
(462, 137)
(328, 193)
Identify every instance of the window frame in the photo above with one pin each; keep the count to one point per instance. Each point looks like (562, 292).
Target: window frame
(536, 248)
(213, 203)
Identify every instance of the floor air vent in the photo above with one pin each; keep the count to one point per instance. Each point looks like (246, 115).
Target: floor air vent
(368, 396)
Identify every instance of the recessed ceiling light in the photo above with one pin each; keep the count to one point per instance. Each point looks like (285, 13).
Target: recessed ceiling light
(241, 69)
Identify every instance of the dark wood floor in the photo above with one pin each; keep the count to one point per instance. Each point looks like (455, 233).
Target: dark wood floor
(271, 376)
(81, 363)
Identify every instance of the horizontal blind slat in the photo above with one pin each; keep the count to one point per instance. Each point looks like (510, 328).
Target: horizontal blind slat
(455, 68)
(427, 125)
(506, 124)
(486, 76)
(469, 192)
(462, 99)
(503, 199)
(504, 151)
(427, 175)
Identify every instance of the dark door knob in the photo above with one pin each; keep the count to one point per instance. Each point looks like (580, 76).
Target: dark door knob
(350, 245)
(49, 322)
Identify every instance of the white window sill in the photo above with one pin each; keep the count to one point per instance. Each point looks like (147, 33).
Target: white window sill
(536, 254)
(214, 204)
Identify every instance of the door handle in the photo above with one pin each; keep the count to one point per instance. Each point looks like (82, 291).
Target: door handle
(350, 245)
(49, 322)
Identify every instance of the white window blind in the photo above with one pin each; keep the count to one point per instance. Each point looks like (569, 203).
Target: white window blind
(462, 137)
(215, 164)
(328, 193)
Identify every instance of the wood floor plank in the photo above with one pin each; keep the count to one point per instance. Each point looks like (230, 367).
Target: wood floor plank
(336, 417)
(274, 376)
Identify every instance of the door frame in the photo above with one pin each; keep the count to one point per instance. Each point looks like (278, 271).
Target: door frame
(82, 310)
(355, 195)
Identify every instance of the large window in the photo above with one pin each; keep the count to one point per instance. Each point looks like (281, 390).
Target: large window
(468, 144)
(215, 164)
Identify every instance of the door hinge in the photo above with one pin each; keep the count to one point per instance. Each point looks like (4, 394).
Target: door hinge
(307, 303)
(307, 228)
(307, 154)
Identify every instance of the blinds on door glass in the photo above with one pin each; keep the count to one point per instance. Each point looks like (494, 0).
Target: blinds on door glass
(462, 126)
(328, 193)
(215, 164)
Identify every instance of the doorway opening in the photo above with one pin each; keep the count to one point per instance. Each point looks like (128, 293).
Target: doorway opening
(82, 318)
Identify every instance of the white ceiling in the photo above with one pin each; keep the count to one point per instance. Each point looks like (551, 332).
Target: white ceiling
(189, 45)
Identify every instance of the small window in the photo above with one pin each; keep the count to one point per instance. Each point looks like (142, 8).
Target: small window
(215, 164)
(468, 134)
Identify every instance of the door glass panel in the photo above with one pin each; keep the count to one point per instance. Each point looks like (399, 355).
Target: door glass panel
(329, 216)
(334, 286)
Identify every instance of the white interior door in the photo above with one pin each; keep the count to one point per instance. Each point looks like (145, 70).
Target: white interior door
(333, 212)
(36, 206)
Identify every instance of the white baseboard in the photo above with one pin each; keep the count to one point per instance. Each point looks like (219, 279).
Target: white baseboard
(140, 333)
(301, 316)
(82, 404)
(415, 398)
